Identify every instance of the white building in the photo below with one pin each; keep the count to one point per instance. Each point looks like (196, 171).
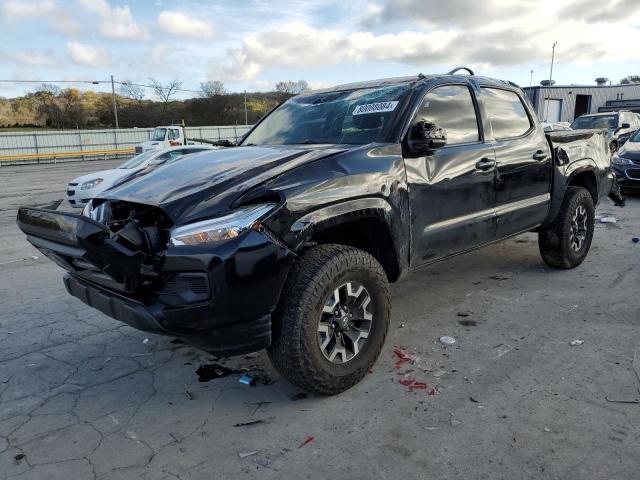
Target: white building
(564, 103)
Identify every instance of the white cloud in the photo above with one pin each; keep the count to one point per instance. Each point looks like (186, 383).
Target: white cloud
(87, 55)
(117, 22)
(450, 33)
(182, 25)
(14, 10)
(31, 58)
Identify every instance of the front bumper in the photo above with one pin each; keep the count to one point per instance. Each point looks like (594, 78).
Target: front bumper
(77, 197)
(218, 297)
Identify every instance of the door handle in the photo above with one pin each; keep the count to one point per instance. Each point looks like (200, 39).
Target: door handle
(486, 164)
(539, 155)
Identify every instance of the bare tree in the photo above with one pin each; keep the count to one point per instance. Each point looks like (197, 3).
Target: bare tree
(212, 88)
(292, 88)
(129, 90)
(165, 92)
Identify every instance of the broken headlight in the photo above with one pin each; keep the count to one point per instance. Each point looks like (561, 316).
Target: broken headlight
(221, 228)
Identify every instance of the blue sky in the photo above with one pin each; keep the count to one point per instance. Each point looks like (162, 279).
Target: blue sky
(254, 43)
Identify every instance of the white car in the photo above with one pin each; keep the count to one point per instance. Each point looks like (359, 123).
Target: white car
(82, 189)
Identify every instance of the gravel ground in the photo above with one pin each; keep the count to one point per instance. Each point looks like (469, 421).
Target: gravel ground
(82, 396)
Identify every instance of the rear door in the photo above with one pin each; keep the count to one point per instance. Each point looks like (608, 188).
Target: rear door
(451, 191)
(524, 168)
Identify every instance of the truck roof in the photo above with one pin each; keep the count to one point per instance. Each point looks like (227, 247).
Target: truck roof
(407, 80)
(600, 114)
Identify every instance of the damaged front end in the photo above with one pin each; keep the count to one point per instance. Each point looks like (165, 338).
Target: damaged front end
(118, 245)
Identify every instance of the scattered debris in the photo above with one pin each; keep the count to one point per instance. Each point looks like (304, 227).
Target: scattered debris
(187, 393)
(298, 396)
(635, 239)
(413, 385)
(307, 441)
(453, 421)
(473, 400)
(247, 380)
(621, 401)
(608, 219)
(19, 457)
(210, 371)
(498, 277)
(433, 392)
(255, 422)
(501, 349)
(145, 341)
(401, 325)
(447, 340)
(547, 429)
(247, 454)
(463, 314)
(403, 356)
(576, 343)
(468, 323)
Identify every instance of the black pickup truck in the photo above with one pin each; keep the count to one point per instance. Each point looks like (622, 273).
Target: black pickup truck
(288, 241)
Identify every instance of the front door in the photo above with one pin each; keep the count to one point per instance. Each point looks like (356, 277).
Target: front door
(451, 191)
(524, 170)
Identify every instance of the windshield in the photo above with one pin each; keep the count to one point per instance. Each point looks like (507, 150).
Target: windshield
(353, 116)
(596, 121)
(158, 134)
(138, 159)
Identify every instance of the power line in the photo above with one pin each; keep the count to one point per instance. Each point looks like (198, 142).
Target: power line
(97, 82)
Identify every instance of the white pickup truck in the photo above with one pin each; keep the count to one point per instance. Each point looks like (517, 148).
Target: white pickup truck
(164, 137)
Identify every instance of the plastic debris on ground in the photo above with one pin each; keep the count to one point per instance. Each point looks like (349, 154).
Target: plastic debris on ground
(408, 380)
(247, 380)
(247, 454)
(306, 442)
(635, 239)
(576, 343)
(145, 341)
(254, 423)
(608, 219)
(447, 340)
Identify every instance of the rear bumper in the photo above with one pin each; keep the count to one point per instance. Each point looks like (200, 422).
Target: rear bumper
(230, 339)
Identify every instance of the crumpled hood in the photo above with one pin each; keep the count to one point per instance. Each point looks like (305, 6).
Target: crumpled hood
(215, 178)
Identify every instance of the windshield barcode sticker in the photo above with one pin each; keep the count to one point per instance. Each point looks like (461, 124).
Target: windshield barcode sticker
(379, 107)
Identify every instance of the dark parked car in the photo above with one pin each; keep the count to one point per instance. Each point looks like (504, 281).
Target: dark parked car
(619, 125)
(626, 164)
(289, 240)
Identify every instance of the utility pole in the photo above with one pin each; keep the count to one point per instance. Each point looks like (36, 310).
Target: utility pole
(246, 121)
(113, 101)
(531, 79)
(546, 100)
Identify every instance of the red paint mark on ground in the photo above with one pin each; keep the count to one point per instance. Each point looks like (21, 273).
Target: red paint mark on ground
(307, 441)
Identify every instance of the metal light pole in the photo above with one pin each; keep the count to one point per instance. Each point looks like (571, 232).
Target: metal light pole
(246, 121)
(531, 79)
(546, 100)
(113, 101)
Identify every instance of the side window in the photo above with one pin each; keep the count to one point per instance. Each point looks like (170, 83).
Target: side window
(451, 107)
(506, 112)
(174, 134)
(163, 157)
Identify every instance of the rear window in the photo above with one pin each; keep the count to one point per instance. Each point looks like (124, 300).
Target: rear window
(507, 113)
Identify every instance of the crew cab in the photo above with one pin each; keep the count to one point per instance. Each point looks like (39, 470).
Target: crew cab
(289, 240)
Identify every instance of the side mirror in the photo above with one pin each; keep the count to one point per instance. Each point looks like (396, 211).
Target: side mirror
(625, 125)
(425, 137)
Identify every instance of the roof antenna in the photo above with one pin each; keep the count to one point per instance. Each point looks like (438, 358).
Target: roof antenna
(452, 72)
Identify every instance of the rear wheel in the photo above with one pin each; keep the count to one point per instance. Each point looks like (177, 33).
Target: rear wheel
(566, 242)
(332, 319)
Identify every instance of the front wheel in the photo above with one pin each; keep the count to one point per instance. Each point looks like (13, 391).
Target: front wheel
(332, 319)
(566, 241)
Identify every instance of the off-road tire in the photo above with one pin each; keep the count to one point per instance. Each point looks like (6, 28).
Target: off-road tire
(295, 351)
(554, 240)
